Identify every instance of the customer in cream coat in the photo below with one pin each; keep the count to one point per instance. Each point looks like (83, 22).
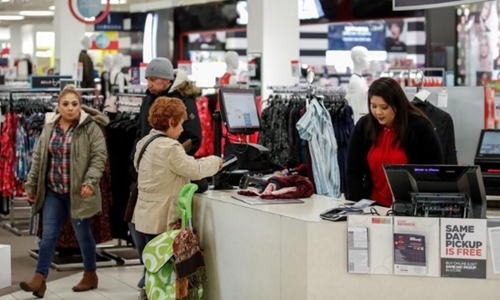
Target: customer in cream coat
(164, 169)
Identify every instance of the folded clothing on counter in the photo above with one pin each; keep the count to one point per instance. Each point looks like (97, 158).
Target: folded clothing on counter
(288, 187)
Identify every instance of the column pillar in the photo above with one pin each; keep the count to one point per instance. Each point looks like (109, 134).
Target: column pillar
(16, 43)
(68, 31)
(274, 31)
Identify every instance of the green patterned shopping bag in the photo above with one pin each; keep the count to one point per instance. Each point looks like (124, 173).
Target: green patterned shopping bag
(158, 260)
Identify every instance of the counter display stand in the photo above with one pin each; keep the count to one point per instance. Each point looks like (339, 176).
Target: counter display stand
(287, 252)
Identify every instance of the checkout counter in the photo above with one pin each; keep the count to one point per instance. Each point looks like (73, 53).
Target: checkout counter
(488, 158)
(272, 252)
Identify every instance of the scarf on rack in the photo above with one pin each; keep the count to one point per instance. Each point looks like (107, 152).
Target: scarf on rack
(189, 266)
(287, 187)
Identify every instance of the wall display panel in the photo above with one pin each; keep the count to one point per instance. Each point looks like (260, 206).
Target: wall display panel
(426, 4)
(478, 43)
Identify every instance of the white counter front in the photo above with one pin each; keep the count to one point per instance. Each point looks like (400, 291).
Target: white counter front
(287, 252)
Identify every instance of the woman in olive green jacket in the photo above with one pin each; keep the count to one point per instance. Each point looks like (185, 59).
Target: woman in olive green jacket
(66, 168)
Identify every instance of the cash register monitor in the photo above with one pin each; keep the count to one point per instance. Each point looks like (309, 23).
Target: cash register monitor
(239, 110)
(489, 144)
(437, 179)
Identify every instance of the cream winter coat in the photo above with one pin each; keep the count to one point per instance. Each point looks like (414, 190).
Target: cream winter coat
(164, 169)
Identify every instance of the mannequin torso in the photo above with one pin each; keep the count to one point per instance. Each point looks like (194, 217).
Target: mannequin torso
(232, 63)
(357, 91)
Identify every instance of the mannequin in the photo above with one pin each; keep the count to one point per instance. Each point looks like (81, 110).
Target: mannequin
(118, 80)
(88, 65)
(357, 91)
(107, 62)
(232, 63)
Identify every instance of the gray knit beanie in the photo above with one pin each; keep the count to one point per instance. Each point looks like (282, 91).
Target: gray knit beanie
(160, 67)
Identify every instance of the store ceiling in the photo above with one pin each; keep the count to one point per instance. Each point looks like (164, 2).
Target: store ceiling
(13, 7)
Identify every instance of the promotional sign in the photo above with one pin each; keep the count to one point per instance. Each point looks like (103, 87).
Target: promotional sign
(142, 73)
(47, 82)
(295, 68)
(492, 104)
(416, 246)
(185, 65)
(135, 76)
(102, 41)
(463, 248)
(371, 35)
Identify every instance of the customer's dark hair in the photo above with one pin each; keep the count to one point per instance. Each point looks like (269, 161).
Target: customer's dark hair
(392, 93)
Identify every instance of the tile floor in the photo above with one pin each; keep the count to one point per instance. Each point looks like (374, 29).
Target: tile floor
(118, 283)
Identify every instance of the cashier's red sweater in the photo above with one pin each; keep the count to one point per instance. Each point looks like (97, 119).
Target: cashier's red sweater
(384, 152)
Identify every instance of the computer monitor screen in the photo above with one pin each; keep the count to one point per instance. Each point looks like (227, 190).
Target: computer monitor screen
(239, 110)
(489, 143)
(437, 179)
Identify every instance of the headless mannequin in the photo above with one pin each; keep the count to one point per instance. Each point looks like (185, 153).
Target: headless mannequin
(357, 91)
(88, 64)
(232, 63)
(117, 77)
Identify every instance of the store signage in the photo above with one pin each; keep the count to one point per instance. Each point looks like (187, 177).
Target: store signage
(463, 248)
(345, 36)
(185, 65)
(89, 8)
(112, 22)
(47, 82)
(135, 77)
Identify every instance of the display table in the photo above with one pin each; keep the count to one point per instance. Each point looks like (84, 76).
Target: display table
(5, 267)
(287, 252)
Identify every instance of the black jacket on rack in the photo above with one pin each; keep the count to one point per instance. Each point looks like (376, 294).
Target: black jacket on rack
(444, 128)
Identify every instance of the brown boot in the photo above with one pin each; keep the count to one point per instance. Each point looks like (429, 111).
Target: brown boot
(37, 285)
(88, 282)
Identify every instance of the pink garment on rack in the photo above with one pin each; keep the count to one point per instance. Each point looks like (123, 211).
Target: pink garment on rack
(8, 156)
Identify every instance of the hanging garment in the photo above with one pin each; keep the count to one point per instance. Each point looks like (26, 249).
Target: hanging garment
(316, 127)
(88, 70)
(7, 156)
(207, 129)
(105, 85)
(444, 128)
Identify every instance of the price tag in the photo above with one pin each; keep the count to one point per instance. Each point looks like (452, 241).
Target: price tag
(252, 69)
(142, 73)
(185, 65)
(443, 99)
(295, 68)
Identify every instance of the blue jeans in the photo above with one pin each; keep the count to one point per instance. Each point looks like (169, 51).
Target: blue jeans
(140, 241)
(55, 210)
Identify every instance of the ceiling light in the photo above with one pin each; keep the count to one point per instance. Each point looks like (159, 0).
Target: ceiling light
(52, 7)
(35, 13)
(11, 18)
(92, 19)
(5, 0)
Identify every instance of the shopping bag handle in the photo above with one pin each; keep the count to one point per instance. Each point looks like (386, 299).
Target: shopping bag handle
(185, 203)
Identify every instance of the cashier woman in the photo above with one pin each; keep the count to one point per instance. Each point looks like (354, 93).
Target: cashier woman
(394, 132)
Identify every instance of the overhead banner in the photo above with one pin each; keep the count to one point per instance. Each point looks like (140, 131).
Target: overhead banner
(345, 36)
(426, 4)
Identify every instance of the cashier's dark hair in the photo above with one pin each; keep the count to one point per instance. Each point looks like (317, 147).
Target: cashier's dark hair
(392, 93)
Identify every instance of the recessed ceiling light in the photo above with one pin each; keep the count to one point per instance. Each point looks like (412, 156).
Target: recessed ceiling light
(52, 7)
(92, 19)
(35, 13)
(5, 0)
(114, 1)
(11, 18)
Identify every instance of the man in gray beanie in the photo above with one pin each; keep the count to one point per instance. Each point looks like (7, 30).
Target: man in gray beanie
(164, 81)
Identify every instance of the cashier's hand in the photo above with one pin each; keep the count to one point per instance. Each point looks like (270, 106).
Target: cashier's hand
(86, 191)
(31, 198)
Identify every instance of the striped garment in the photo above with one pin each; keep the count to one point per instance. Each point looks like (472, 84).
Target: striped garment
(59, 165)
(316, 127)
